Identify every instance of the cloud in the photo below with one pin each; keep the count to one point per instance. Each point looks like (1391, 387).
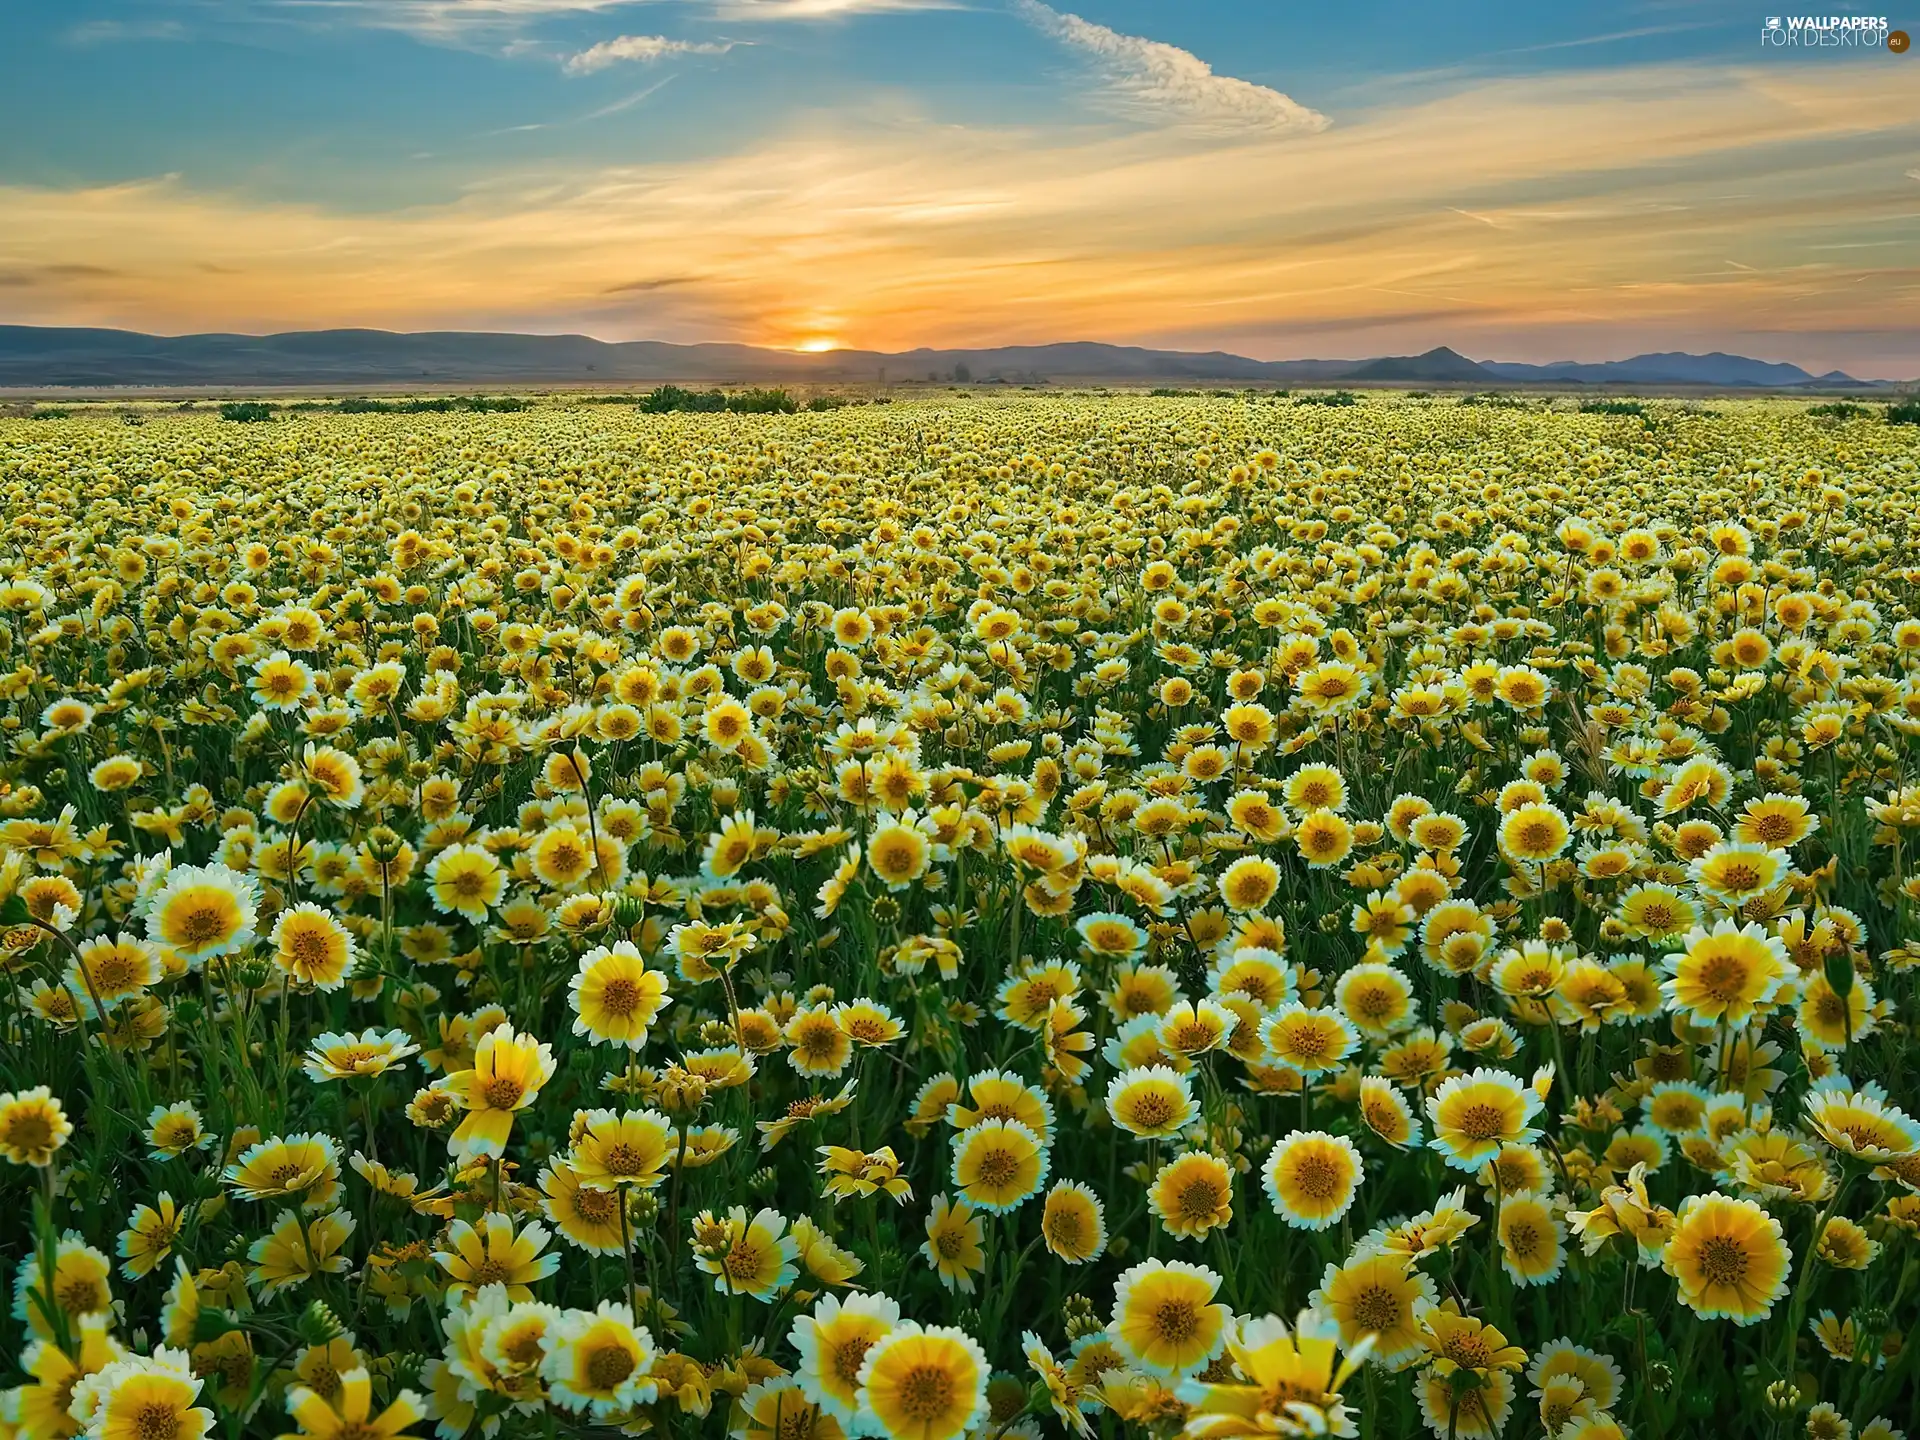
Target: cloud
(1166, 82)
(112, 32)
(467, 21)
(1589, 214)
(642, 48)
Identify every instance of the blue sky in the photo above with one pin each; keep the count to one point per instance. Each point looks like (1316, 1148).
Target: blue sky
(1521, 181)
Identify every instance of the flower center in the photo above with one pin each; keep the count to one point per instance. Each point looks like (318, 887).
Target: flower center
(608, 1367)
(1723, 1261)
(926, 1393)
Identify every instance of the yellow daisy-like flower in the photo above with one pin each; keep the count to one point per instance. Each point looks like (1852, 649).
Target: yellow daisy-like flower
(899, 851)
(1191, 1028)
(1777, 822)
(151, 1400)
(586, 1215)
(833, 1343)
(1165, 1320)
(925, 1383)
(508, 1072)
(281, 683)
(349, 1414)
(1287, 1382)
(1476, 1114)
(1532, 1238)
(173, 1130)
(1457, 1342)
(1862, 1125)
(312, 947)
(295, 1165)
(998, 1164)
(615, 996)
(1381, 1296)
(493, 1253)
(111, 969)
(1729, 1258)
(1073, 1223)
(1477, 1413)
(1192, 1195)
(599, 1361)
(1306, 1041)
(1727, 975)
(33, 1125)
(202, 912)
(751, 1256)
(953, 1244)
(1534, 834)
(1385, 1111)
(613, 1148)
(466, 880)
(778, 1409)
(1833, 1021)
(1323, 838)
(563, 857)
(1249, 883)
(1151, 1101)
(293, 1253)
(352, 1057)
(1312, 1178)
(149, 1236)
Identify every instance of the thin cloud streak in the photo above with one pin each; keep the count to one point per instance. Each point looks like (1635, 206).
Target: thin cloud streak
(641, 49)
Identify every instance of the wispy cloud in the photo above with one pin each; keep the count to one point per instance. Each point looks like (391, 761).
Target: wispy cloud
(461, 21)
(644, 49)
(118, 32)
(1166, 82)
(456, 22)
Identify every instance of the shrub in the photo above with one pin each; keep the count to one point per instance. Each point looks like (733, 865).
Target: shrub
(246, 411)
(668, 398)
(762, 402)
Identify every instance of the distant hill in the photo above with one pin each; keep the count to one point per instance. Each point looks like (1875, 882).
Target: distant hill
(1672, 368)
(1439, 363)
(40, 356)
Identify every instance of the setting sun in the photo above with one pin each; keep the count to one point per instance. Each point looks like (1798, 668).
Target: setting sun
(815, 347)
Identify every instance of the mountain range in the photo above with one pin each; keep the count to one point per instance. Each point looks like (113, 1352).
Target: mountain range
(49, 356)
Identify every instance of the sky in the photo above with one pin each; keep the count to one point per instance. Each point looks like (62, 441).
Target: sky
(1276, 178)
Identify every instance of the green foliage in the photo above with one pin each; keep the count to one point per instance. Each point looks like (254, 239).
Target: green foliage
(1337, 397)
(666, 399)
(762, 402)
(246, 411)
(51, 412)
(1838, 410)
(1612, 407)
(1904, 412)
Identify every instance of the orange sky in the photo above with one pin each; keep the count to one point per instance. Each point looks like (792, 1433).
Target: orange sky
(1767, 208)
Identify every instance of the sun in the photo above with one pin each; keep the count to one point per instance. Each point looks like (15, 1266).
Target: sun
(815, 346)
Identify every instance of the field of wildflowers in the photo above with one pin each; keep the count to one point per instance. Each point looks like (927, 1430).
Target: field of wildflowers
(989, 917)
